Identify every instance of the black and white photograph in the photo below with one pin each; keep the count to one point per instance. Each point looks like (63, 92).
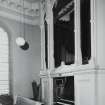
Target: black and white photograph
(52, 52)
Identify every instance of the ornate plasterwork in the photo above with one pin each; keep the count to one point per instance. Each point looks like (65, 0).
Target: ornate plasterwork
(14, 8)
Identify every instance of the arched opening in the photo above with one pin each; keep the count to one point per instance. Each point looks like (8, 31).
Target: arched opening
(4, 62)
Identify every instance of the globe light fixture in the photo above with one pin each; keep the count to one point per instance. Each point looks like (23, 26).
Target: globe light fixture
(20, 41)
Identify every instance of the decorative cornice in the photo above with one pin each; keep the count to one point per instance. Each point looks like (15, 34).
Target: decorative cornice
(13, 9)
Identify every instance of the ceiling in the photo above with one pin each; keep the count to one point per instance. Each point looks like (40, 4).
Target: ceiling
(13, 9)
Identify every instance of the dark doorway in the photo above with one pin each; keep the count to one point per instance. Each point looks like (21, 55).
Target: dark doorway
(63, 90)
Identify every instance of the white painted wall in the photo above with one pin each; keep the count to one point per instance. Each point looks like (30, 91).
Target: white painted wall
(85, 88)
(100, 88)
(100, 31)
(24, 65)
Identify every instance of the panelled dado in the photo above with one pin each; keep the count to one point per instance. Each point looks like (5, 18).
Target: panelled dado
(72, 51)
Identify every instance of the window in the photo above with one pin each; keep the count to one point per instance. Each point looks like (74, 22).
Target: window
(68, 33)
(85, 30)
(65, 24)
(4, 65)
(64, 36)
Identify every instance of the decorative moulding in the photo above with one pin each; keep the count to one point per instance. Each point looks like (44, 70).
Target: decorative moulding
(13, 9)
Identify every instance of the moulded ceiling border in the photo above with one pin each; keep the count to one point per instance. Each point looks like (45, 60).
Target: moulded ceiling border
(16, 7)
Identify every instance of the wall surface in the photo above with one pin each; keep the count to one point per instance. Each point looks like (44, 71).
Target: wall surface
(101, 88)
(100, 31)
(24, 65)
